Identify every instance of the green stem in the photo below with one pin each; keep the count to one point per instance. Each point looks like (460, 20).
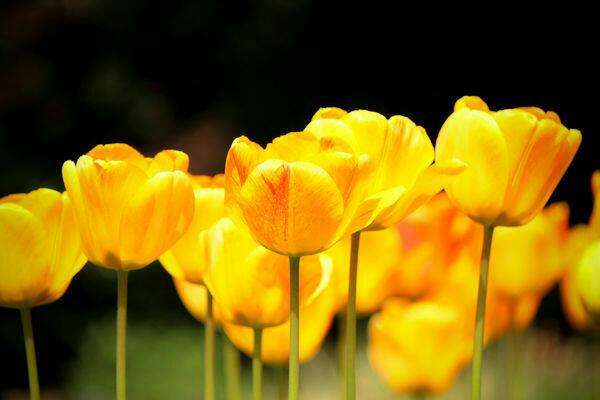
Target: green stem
(515, 365)
(209, 350)
(121, 334)
(232, 370)
(34, 385)
(294, 368)
(480, 316)
(282, 382)
(257, 365)
(351, 321)
(341, 353)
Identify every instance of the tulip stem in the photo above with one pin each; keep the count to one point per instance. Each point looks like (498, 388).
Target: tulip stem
(516, 389)
(294, 368)
(209, 350)
(121, 334)
(34, 385)
(341, 353)
(232, 370)
(488, 233)
(350, 367)
(257, 365)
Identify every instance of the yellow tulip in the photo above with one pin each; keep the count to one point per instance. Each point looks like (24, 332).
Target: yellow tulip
(40, 248)
(251, 284)
(129, 209)
(380, 258)
(194, 297)
(529, 259)
(515, 158)
(581, 241)
(419, 347)
(301, 194)
(188, 258)
(315, 320)
(402, 153)
(588, 279)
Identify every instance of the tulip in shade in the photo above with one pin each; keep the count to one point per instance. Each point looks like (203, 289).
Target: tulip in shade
(129, 210)
(251, 284)
(588, 279)
(194, 298)
(188, 258)
(419, 347)
(41, 253)
(581, 239)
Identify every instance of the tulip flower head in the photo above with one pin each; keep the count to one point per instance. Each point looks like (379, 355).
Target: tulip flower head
(419, 347)
(189, 257)
(515, 158)
(40, 248)
(402, 154)
(251, 284)
(577, 286)
(129, 209)
(301, 194)
(588, 279)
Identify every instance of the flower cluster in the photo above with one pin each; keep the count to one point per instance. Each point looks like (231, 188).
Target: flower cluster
(355, 214)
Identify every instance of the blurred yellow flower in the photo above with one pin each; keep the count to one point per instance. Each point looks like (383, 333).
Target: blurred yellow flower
(515, 158)
(380, 258)
(581, 239)
(402, 153)
(588, 279)
(40, 248)
(188, 258)
(129, 209)
(301, 194)
(529, 259)
(419, 347)
(194, 297)
(315, 320)
(433, 238)
(251, 284)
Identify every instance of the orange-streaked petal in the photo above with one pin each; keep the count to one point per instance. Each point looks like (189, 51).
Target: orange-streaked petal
(549, 154)
(291, 208)
(155, 218)
(114, 152)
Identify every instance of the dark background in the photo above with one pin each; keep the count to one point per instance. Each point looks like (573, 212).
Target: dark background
(193, 75)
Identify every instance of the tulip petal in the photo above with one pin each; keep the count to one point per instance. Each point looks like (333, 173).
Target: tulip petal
(407, 150)
(324, 128)
(155, 218)
(475, 138)
(169, 160)
(550, 152)
(329, 113)
(291, 208)
(370, 130)
(429, 183)
(471, 103)
(114, 152)
(595, 217)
